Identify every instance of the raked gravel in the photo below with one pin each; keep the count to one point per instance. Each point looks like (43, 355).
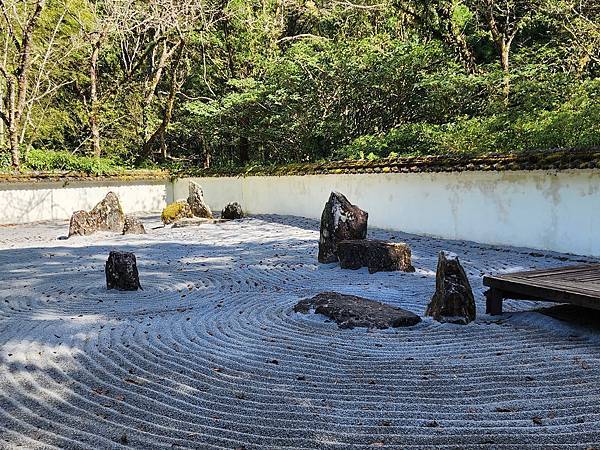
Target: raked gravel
(211, 355)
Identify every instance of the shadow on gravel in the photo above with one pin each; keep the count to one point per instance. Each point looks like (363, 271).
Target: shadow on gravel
(432, 387)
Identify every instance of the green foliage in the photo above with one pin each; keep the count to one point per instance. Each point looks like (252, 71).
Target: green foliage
(175, 211)
(263, 85)
(44, 160)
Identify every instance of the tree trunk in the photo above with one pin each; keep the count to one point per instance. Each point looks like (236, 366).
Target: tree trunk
(505, 63)
(17, 83)
(95, 129)
(13, 132)
(244, 150)
(161, 131)
(455, 38)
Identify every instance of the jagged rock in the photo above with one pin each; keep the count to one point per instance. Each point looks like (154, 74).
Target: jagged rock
(81, 224)
(176, 211)
(107, 215)
(232, 211)
(350, 311)
(453, 300)
(121, 272)
(340, 221)
(196, 201)
(378, 256)
(133, 226)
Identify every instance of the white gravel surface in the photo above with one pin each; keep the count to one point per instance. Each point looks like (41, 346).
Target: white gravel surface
(211, 355)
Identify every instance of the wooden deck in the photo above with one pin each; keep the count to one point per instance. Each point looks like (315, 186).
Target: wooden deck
(577, 285)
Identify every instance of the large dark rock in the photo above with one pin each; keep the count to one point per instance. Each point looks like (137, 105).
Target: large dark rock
(121, 272)
(350, 311)
(232, 211)
(340, 221)
(378, 256)
(453, 300)
(133, 226)
(107, 215)
(196, 201)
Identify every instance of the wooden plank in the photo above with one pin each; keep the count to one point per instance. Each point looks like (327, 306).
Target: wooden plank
(579, 285)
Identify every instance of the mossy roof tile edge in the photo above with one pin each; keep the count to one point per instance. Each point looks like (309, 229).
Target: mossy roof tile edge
(129, 175)
(547, 160)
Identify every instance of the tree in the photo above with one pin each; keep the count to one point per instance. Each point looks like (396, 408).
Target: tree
(504, 19)
(16, 72)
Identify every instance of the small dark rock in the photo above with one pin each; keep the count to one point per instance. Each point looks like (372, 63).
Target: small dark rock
(133, 226)
(350, 311)
(340, 221)
(123, 439)
(232, 211)
(378, 256)
(121, 272)
(453, 300)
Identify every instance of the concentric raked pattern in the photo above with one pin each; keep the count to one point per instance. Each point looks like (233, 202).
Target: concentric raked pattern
(211, 355)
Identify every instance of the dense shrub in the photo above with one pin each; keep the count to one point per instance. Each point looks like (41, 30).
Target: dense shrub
(44, 160)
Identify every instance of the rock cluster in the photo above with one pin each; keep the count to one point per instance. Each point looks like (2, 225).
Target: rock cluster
(121, 272)
(194, 210)
(453, 300)
(378, 256)
(340, 221)
(350, 311)
(107, 215)
(232, 211)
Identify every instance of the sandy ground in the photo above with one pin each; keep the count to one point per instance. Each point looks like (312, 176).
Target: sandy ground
(211, 355)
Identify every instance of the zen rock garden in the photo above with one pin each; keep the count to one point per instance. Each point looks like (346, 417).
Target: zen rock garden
(343, 240)
(199, 329)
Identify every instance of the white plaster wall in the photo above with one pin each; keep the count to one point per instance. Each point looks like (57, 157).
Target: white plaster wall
(540, 209)
(31, 202)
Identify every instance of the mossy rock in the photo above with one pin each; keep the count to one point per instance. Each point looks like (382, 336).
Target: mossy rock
(175, 211)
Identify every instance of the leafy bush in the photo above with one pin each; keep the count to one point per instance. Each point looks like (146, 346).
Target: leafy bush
(46, 160)
(175, 211)
(574, 124)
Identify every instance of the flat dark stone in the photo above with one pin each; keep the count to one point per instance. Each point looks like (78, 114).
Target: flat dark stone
(350, 311)
(378, 256)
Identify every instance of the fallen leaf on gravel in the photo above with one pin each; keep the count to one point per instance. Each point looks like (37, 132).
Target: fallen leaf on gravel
(377, 444)
(432, 424)
(537, 420)
(504, 410)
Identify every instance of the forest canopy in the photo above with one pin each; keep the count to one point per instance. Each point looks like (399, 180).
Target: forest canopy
(96, 85)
